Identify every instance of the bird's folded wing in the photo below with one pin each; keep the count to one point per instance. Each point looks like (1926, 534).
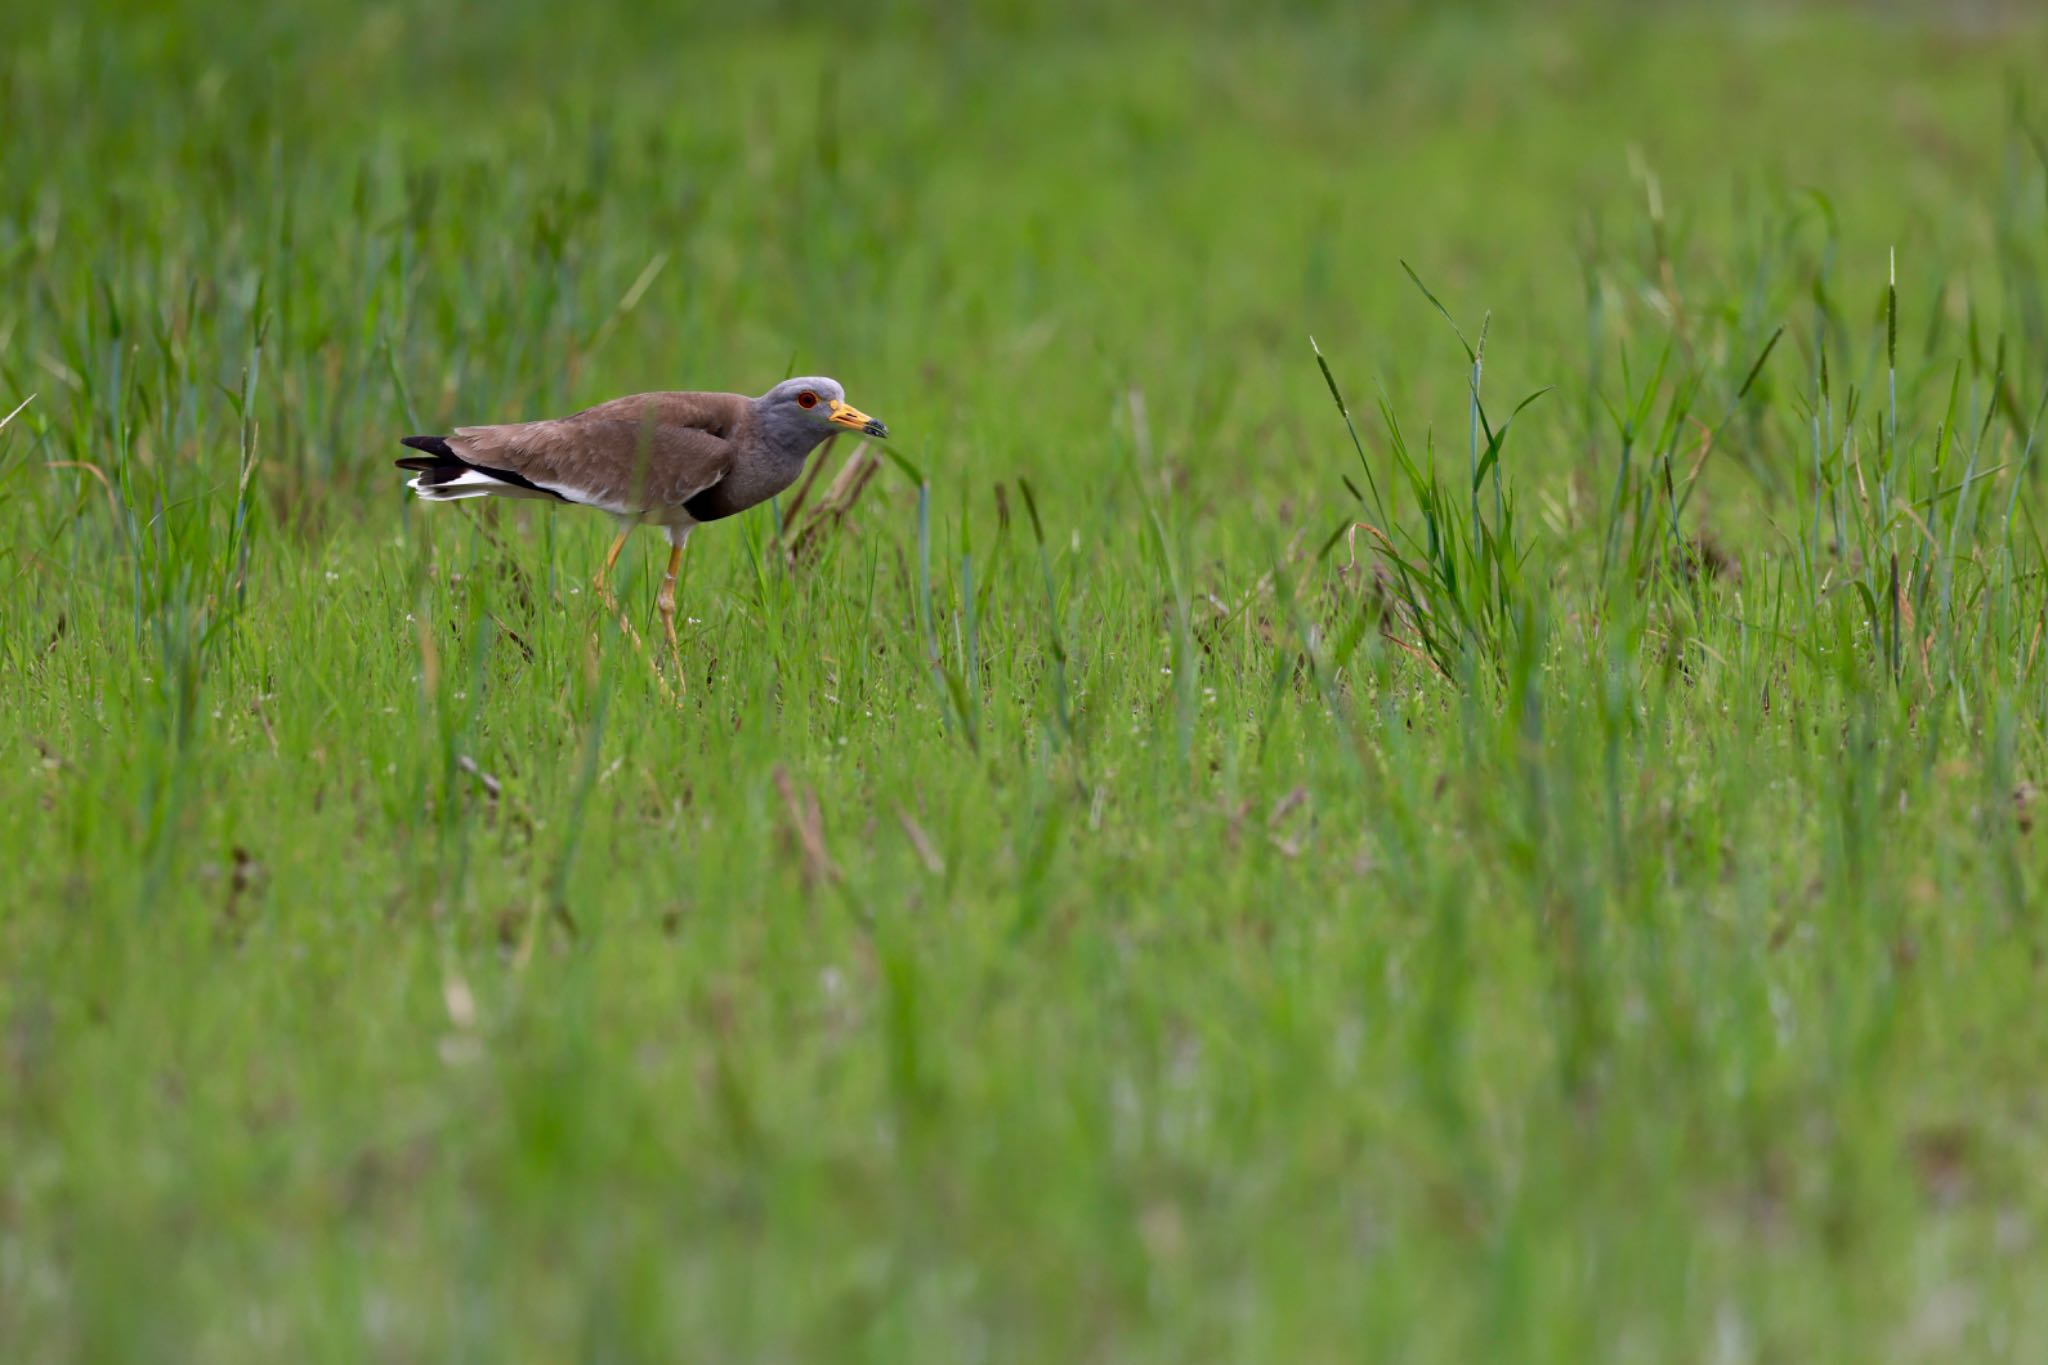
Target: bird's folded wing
(629, 455)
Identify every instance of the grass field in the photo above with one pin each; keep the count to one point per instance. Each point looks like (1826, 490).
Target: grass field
(1159, 881)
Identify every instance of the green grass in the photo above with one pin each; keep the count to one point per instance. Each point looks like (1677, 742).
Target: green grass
(1106, 906)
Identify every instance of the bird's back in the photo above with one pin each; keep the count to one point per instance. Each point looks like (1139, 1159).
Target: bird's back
(644, 450)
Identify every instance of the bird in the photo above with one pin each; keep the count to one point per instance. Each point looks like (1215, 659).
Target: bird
(673, 460)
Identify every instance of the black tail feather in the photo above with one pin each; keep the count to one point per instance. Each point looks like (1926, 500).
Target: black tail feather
(432, 475)
(439, 465)
(433, 445)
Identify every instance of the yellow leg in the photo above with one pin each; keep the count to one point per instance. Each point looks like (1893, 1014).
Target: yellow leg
(602, 583)
(666, 598)
(603, 580)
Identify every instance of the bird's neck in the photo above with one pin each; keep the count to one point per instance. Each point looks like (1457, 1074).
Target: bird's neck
(789, 439)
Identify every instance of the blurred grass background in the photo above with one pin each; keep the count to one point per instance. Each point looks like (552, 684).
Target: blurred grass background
(1178, 964)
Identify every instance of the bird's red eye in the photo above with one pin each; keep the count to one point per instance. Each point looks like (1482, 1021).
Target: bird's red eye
(807, 399)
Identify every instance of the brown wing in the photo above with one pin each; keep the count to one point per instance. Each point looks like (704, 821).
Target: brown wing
(651, 450)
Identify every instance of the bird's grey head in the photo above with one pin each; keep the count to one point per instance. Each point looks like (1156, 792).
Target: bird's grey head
(813, 404)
